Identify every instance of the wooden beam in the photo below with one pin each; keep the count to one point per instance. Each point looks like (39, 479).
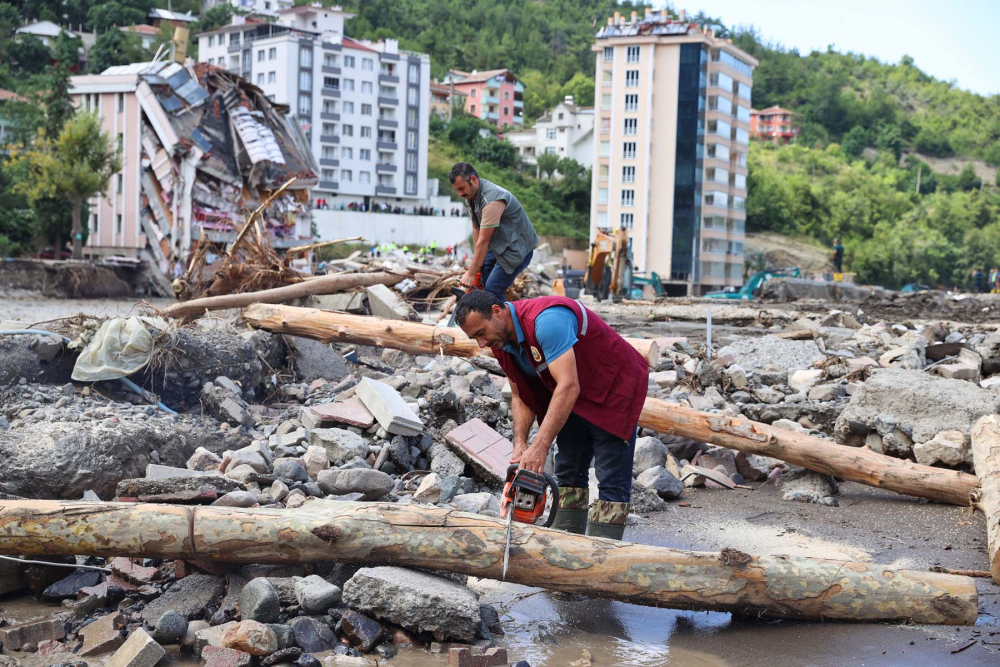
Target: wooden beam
(986, 459)
(453, 541)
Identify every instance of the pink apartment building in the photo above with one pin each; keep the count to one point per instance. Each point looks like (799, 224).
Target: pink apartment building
(495, 95)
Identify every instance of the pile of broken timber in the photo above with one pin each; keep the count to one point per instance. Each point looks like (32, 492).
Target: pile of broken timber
(444, 539)
(850, 463)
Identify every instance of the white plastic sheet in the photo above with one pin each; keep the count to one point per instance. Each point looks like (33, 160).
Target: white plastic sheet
(121, 347)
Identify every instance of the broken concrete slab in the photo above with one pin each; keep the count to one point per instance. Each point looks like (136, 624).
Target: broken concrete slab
(340, 444)
(389, 408)
(189, 597)
(103, 635)
(351, 412)
(312, 360)
(771, 358)
(385, 303)
(484, 449)
(14, 637)
(194, 490)
(139, 650)
(948, 447)
(160, 472)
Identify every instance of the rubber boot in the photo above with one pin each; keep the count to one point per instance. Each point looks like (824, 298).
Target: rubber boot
(572, 514)
(607, 519)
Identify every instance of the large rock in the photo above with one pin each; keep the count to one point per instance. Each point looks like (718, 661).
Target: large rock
(914, 403)
(948, 447)
(312, 635)
(363, 632)
(340, 444)
(259, 601)
(649, 453)
(372, 483)
(663, 482)
(771, 358)
(315, 594)
(64, 459)
(806, 486)
(226, 406)
(417, 601)
(312, 360)
(250, 637)
(189, 597)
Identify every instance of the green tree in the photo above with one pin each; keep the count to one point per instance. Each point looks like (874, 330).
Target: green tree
(56, 100)
(115, 48)
(967, 180)
(499, 152)
(28, 55)
(581, 87)
(113, 14)
(76, 166)
(932, 141)
(464, 130)
(854, 142)
(216, 17)
(547, 164)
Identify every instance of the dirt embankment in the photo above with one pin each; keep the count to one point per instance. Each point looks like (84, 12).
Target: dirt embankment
(62, 279)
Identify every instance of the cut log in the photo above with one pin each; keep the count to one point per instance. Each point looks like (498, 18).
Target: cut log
(986, 459)
(852, 463)
(329, 284)
(442, 539)
(412, 337)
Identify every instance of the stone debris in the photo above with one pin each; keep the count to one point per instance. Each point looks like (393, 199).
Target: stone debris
(15, 637)
(486, 450)
(139, 650)
(388, 407)
(386, 303)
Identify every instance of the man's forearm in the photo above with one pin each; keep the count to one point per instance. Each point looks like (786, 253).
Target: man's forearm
(479, 254)
(523, 418)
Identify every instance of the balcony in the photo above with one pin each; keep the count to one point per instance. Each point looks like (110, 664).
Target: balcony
(385, 168)
(385, 190)
(329, 162)
(388, 78)
(329, 139)
(518, 104)
(328, 185)
(330, 92)
(234, 47)
(386, 145)
(491, 115)
(330, 46)
(387, 124)
(491, 99)
(330, 69)
(388, 101)
(329, 115)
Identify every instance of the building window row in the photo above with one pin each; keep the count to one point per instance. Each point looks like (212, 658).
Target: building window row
(631, 102)
(609, 53)
(632, 78)
(628, 150)
(631, 126)
(632, 54)
(628, 197)
(627, 221)
(732, 61)
(628, 174)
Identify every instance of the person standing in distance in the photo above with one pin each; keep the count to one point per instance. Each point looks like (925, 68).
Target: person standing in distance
(502, 235)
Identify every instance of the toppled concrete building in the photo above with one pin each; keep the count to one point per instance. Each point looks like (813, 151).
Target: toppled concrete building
(199, 148)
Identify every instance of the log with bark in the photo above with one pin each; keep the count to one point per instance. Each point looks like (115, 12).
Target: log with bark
(329, 284)
(986, 459)
(453, 541)
(412, 337)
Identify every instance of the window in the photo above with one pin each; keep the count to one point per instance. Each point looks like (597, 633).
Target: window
(631, 103)
(411, 183)
(606, 101)
(349, 107)
(305, 105)
(606, 77)
(331, 82)
(234, 38)
(632, 78)
(473, 93)
(272, 53)
(506, 96)
(211, 40)
(411, 117)
(602, 172)
(550, 133)
(260, 78)
(271, 77)
(119, 184)
(411, 97)
(329, 129)
(602, 219)
(550, 150)
(364, 177)
(367, 65)
(713, 198)
(627, 221)
(609, 53)
(472, 108)
(411, 140)
(260, 56)
(411, 161)
(349, 84)
(328, 174)
(739, 203)
(732, 61)
(602, 195)
(628, 174)
(365, 154)
(742, 113)
(329, 152)
(743, 90)
(366, 132)
(346, 175)
(121, 101)
(413, 75)
(719, 127)
(631, 126)
(605, 148)
(718, 152)
(720, 80)
(741, 136)
(738, 181)
(628, 197)
(305, 80)
(330, 60)
(387, 91)
(632, 55)
(349, 61)
(713, 175)
(347, 153)
(716, 103)
(347, 131)
(120, 146)
(305, 58)
(739, 159)
(628, 150)
(118, 224)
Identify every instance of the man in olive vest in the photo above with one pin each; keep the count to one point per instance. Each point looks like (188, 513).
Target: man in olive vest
(502, 234)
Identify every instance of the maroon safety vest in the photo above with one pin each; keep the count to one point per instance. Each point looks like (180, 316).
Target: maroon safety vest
(613, 376)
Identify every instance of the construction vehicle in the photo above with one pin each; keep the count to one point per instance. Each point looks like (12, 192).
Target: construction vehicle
(752, 286)
(609, 268)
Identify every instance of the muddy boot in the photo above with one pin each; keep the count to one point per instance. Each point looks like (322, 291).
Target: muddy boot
(607, 519)
(572, 514)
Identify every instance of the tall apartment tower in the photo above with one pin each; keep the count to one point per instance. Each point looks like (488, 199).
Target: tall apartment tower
(363, 106)
(670, 147)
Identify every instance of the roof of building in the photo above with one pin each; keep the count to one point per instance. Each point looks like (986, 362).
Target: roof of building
(774, 109)
(476, 77)
(351, 44)
(167, 15)
(573, 109)
(142, 29)
(445, 89)
(41, 28)
(10, 96)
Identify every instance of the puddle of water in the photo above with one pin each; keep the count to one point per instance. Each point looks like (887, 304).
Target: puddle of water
(18, 608)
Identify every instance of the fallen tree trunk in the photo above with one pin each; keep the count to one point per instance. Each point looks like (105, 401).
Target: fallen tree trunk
(412, 536)
(853, 463)
(329, 284)
(986, 459)
(412, 337)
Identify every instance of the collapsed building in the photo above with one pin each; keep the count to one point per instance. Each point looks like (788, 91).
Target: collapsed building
(199, 148)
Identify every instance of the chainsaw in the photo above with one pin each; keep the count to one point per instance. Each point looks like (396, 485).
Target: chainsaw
(458, 292)
(523, 500)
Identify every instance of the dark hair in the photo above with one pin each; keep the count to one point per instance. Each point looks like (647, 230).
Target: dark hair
(479, 301)
(463, 169)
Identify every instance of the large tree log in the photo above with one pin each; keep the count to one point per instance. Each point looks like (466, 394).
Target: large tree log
(853, 463)
(986, 459)
(412, 337)
(407, 535)
(329, 284)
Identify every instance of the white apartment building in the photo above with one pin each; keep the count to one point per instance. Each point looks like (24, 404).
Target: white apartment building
(258, 7)
(363, 106)
(566, 131)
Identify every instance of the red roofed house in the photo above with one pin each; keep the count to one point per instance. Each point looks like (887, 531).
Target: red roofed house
(495, 95)
(774, 123)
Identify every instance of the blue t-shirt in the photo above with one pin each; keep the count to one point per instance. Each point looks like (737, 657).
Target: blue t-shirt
(556, 329)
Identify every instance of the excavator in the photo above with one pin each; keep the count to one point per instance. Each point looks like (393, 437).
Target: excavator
(609, 269)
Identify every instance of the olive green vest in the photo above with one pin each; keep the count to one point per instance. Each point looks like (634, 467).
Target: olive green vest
(515, 237)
